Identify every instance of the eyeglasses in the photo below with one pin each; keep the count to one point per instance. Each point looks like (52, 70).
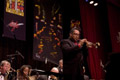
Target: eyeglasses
(76, 34)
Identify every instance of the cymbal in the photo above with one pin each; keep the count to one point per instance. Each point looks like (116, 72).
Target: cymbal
(45, 72)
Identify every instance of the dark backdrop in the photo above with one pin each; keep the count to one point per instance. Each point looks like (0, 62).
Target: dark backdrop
(98, 23)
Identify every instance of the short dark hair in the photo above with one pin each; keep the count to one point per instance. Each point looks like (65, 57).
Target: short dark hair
(73, 29)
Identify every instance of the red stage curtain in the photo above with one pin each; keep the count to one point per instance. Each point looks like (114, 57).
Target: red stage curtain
(90, 31)
(114, 23)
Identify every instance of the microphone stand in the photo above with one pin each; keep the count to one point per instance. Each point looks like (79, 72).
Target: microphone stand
(12, 57)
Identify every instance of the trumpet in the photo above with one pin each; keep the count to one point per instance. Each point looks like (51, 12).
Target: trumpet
(90, 44)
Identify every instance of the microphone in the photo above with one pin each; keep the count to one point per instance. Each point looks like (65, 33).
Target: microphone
(19, 54)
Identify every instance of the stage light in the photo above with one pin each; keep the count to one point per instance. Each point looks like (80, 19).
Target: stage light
(91, 2)
(95, 4)
(86, 0)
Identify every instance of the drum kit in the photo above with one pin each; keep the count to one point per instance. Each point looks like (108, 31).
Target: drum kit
(37, 74)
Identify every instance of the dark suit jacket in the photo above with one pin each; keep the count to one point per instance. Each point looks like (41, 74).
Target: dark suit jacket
(72, 60)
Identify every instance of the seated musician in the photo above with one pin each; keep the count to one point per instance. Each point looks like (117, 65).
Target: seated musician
(6, 70)
(24, 73)
(59, 70)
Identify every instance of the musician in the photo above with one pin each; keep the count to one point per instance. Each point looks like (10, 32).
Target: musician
(6, 70)
(24, 72)
(59, 70)
(72, 49)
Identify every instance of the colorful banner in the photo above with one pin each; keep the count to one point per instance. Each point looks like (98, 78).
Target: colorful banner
(14, 20)
(47, 32)
(15, 7)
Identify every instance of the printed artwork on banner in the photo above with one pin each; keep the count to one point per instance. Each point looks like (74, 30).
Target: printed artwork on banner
(14, 25)
(15, 7)
(47, 31)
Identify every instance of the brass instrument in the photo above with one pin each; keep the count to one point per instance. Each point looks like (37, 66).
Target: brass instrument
(90, 44)
(97, 44)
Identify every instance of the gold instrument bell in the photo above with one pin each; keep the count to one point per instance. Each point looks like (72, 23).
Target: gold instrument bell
(97, 44)
(90, 44)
